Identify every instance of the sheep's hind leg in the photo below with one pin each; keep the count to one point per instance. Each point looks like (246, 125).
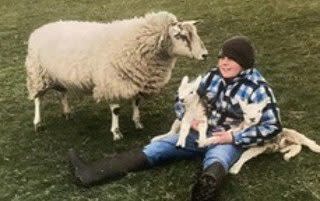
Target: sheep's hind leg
(136, 113)
(66, 111)
(37, 114)
(117, 135)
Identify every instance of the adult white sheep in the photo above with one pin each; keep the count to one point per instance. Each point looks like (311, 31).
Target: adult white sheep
(123, 59)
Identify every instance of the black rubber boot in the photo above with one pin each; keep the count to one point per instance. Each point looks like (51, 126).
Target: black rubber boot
(207, 186)
(106, 169)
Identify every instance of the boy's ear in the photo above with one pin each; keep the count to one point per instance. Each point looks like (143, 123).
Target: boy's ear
(185, 80)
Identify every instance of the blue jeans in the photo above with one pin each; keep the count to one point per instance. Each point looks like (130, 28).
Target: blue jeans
(165, 150)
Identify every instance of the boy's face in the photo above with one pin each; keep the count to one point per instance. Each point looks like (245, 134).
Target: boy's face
(228, 67)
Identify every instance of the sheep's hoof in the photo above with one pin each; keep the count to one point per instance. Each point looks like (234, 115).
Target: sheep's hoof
(38, 127)
(138, 125)
(117, 135)
(67, 116)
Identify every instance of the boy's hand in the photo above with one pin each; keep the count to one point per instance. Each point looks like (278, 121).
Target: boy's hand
(195, 123)
(223, 137)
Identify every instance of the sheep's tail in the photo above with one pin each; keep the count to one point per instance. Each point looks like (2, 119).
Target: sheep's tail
(311, 144)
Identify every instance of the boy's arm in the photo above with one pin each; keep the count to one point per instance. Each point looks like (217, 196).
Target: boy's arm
(269, 125)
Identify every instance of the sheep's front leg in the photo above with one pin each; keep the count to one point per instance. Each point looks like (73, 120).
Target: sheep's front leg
(66, 111)
(136, 113)
(247, 155)
(37, 114)
(184, 131)
(117, 135)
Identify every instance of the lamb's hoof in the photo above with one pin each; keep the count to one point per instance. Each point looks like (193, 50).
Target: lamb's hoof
(286, 158)
(117, 135)
(155, 139)
(179, 147)
(233, 171)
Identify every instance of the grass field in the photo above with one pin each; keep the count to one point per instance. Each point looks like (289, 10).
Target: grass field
(33, 165)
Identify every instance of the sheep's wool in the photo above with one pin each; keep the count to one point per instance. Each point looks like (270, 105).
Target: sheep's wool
(110, 60)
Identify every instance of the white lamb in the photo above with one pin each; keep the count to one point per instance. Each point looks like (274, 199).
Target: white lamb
(252, 115)
(289, 141)
(194, 109)
(124, 59)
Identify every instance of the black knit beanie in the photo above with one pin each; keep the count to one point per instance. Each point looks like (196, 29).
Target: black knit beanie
(240, 49)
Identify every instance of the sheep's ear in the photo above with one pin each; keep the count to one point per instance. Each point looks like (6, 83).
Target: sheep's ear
(195, 22)
(185, 80)
(161, 40)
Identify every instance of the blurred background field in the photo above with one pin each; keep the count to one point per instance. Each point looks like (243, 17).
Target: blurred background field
(33, 165)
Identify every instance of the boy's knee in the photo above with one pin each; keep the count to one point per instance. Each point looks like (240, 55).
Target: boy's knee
(157, 152)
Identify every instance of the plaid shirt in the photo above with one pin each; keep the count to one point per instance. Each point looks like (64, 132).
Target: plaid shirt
(223, 100)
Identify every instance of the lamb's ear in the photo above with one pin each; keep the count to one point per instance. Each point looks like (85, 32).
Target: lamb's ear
(198, 81)
(264, 103)
(185, 80)
(242, 104)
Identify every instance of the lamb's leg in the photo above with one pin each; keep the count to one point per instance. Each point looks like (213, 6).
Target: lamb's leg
(184, 131)
(37, 113)
(136, 113)
(291, 151)
(117, 135)
(247, 155)
(174, 130)
(66, 111)
(202, 127)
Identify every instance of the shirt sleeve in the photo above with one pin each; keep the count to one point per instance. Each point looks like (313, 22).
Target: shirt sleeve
(269, 125)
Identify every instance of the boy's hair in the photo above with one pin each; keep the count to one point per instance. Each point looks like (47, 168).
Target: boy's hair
(240, 49)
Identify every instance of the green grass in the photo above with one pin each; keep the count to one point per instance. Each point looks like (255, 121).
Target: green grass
(33, 165)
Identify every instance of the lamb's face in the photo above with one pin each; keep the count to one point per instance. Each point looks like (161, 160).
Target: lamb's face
(187, 92)
(186, 41)
(252, 112)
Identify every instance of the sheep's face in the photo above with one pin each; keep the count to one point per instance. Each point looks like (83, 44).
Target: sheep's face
(187, 92)
(186, 41)
(252, 112)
